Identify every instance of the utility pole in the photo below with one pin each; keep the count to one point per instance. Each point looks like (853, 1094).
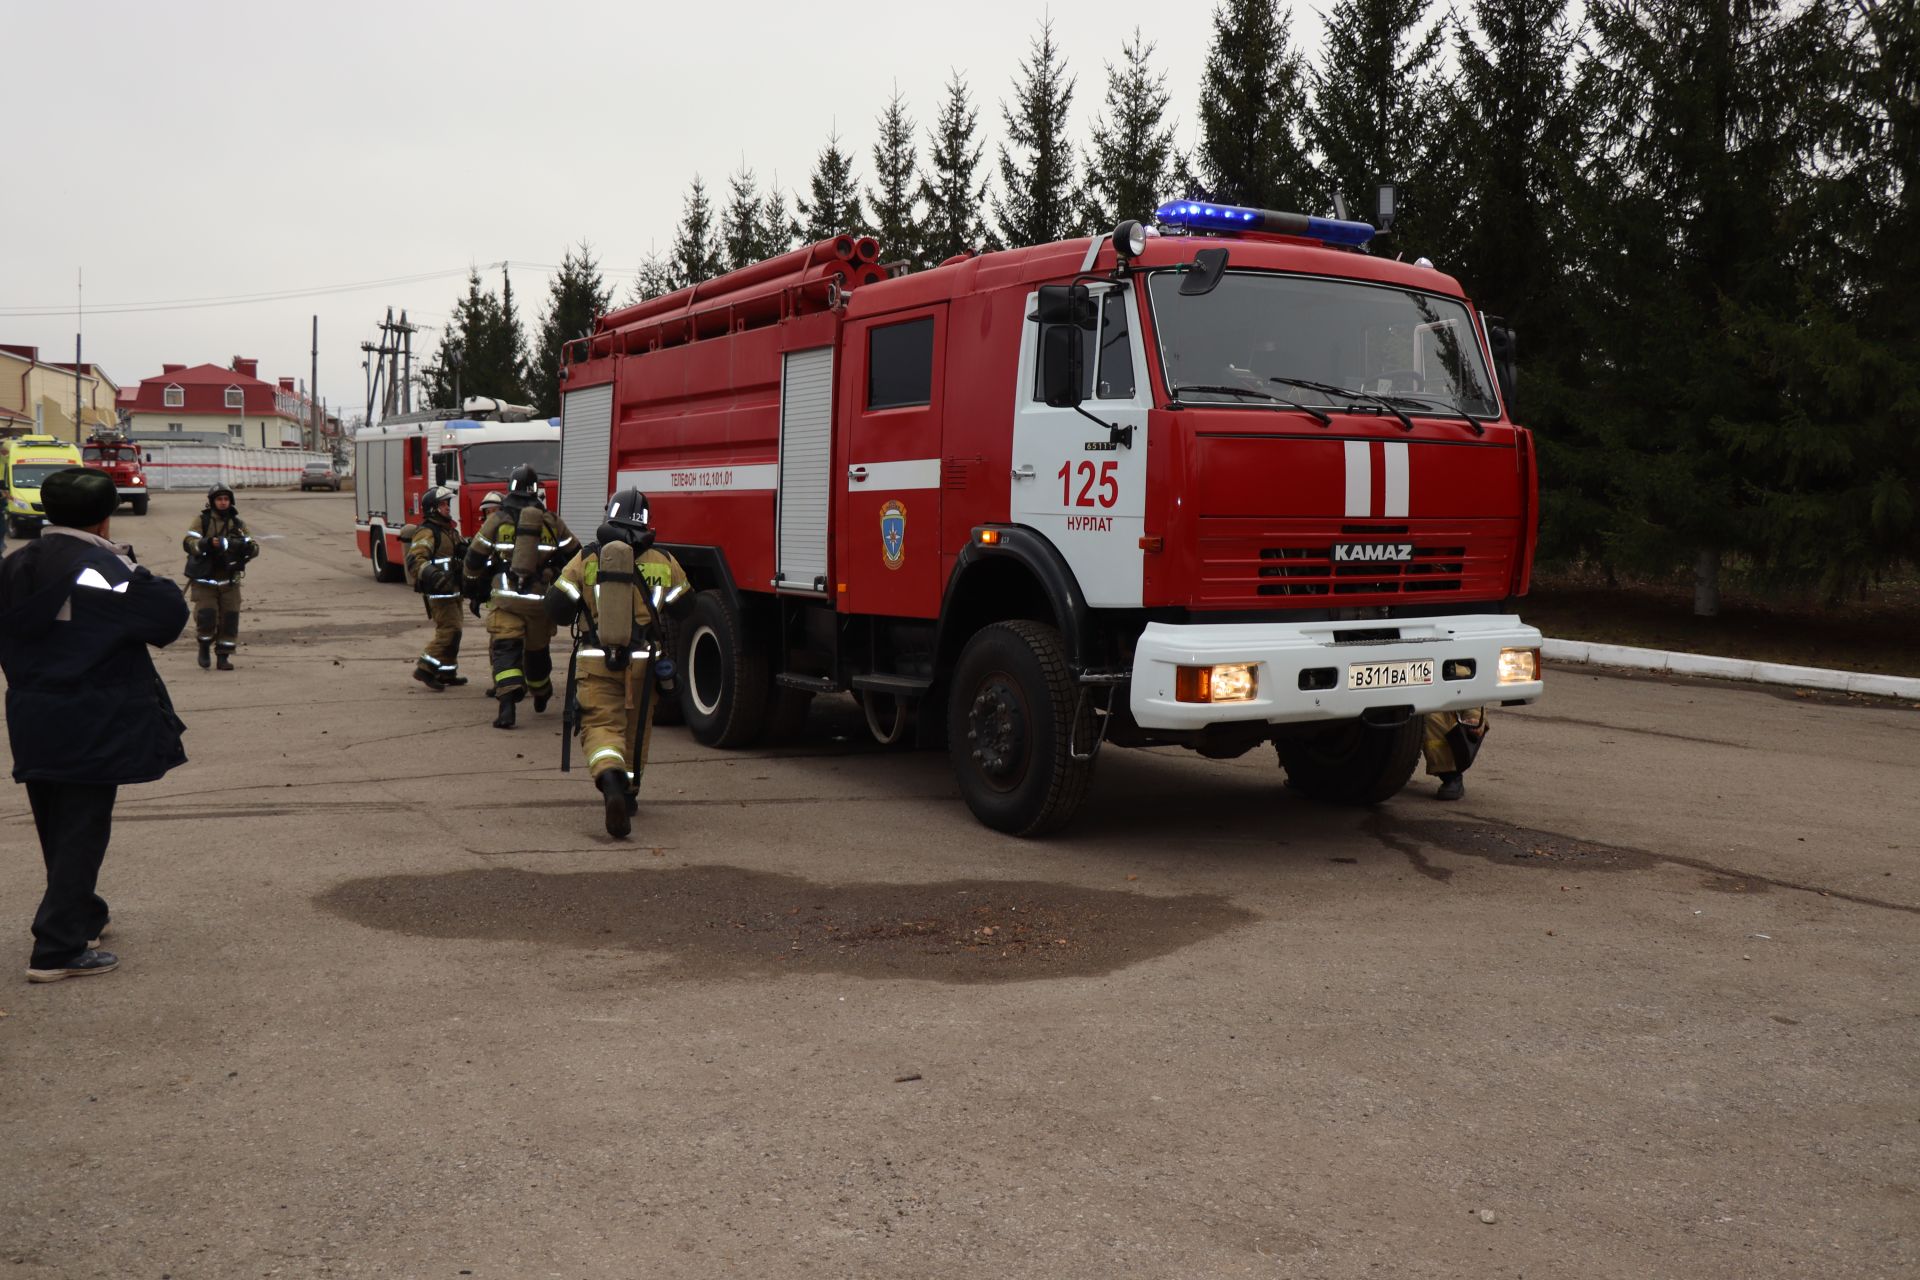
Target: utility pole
(79, 312)
(313, 391)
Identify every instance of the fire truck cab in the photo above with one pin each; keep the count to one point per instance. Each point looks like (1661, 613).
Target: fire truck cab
(122, 459)
(471, 451)
(1239, 486)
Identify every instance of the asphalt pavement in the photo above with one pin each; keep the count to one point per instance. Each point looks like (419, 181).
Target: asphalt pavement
(392, 1004)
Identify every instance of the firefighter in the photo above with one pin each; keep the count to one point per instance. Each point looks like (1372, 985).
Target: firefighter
(612, 593)
(1449, 740)
(433, 566)
(510, 563)
(218, 549)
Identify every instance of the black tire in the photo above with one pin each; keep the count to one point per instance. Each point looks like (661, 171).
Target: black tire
(139, 505)
(377, 545)
(1352, 763)
(723, 675)
(1010, 718)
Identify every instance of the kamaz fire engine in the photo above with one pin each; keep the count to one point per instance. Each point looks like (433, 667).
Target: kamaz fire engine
(1238, 483)
(122, 459)
(471, 451)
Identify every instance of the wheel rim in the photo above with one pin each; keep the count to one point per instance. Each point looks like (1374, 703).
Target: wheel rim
(999, 736)
(704, 675)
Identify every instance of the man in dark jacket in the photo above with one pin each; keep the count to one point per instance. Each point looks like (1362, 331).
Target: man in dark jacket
(86, 710)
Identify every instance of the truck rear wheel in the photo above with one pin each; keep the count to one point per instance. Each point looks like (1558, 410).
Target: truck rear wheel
(377, 546)
(723, 675)
(1352, 762)
(1011, 724)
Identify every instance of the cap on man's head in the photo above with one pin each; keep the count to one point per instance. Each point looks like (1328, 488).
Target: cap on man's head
(78, 497)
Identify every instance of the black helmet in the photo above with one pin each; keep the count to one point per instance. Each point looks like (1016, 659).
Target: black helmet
(438, 496)
(216, 491)
(628, 509)
(525, 482)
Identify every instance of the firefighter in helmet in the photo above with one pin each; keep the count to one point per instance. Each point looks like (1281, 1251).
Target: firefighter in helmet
(510, 563)
(433, 566)
(218, 549)
(613, 593)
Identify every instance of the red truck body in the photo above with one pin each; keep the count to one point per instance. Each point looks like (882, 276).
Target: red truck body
(864, 474)
(122, 460)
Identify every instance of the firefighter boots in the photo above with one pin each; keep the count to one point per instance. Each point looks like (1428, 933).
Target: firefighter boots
(206, 654)
(427, 679)
(503, 719)
(613, 789)
(540, 699)
(454, 678)
(1452, 787)
(225, 662)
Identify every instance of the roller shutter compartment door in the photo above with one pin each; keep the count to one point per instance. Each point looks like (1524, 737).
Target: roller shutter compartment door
(586, 434)
(806, 453)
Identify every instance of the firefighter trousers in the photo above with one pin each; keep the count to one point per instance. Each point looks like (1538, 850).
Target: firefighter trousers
(610, 714)
(442, 658)
(522, 662)
(216, 614)
(1437, 739)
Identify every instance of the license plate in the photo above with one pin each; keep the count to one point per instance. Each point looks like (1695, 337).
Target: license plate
(1389, 675)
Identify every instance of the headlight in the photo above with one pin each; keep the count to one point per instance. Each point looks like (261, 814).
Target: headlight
(1228, 682)
(1519, 666)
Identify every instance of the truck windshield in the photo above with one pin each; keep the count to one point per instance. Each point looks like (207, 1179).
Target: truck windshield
(1275, 333)
(30, 475)
(496, 459)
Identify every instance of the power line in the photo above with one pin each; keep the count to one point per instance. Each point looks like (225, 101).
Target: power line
(280, 295)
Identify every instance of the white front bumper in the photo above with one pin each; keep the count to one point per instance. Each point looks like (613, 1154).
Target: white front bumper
(1282, 650)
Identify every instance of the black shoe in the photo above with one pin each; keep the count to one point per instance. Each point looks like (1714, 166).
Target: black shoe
(453, 681)
(87, 962)
(540, 701)
(503, 718)
(225, 663)
(613, 788)
(206, 654)
(430, 680)
(1452, 787)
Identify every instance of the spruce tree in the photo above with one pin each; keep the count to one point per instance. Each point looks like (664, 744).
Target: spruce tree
(1375, 104)
(834, 206)
(895, 201)
(1251, 102)
(697, 246)
(575, 297)
(1717, 123)
(1037, 173)
(656, 278)
(483, 350)
(947, 185)
(778, 229)
(1130, 165)
(742, 233)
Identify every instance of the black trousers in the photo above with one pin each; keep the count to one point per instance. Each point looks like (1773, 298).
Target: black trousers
(75, 820)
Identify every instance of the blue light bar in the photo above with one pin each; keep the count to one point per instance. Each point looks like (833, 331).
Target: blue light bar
(1199, 215)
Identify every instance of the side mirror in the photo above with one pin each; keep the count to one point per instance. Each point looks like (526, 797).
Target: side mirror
(1062, 365)
(1068, 304)
(1505, 347)
(1203, 277)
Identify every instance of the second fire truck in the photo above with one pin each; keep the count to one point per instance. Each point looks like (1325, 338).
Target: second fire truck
(1237, 485)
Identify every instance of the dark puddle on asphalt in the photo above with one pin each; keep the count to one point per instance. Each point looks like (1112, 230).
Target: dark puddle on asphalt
(724, 922)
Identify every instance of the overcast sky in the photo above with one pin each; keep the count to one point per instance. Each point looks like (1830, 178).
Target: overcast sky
(199, 150)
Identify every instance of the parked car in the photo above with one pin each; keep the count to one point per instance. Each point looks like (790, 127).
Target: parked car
(319, 475)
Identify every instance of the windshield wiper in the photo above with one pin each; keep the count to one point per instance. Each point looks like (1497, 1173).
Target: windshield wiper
(1316, 414)
(1444, 409)
(1328, 389)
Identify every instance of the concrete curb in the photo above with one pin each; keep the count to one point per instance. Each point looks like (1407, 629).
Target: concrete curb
(1701, 664)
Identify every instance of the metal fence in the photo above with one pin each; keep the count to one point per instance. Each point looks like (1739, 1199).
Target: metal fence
(201, 466)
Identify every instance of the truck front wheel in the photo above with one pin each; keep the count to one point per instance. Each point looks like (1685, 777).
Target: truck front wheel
(140, 504)
(1352, 762)
(722, 673)
(1011, 728)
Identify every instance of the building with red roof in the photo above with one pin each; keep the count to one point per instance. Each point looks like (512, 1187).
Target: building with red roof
(209, 403)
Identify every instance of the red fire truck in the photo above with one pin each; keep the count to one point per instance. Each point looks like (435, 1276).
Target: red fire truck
(472, 451)
(121, 459)
(1238, 484)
